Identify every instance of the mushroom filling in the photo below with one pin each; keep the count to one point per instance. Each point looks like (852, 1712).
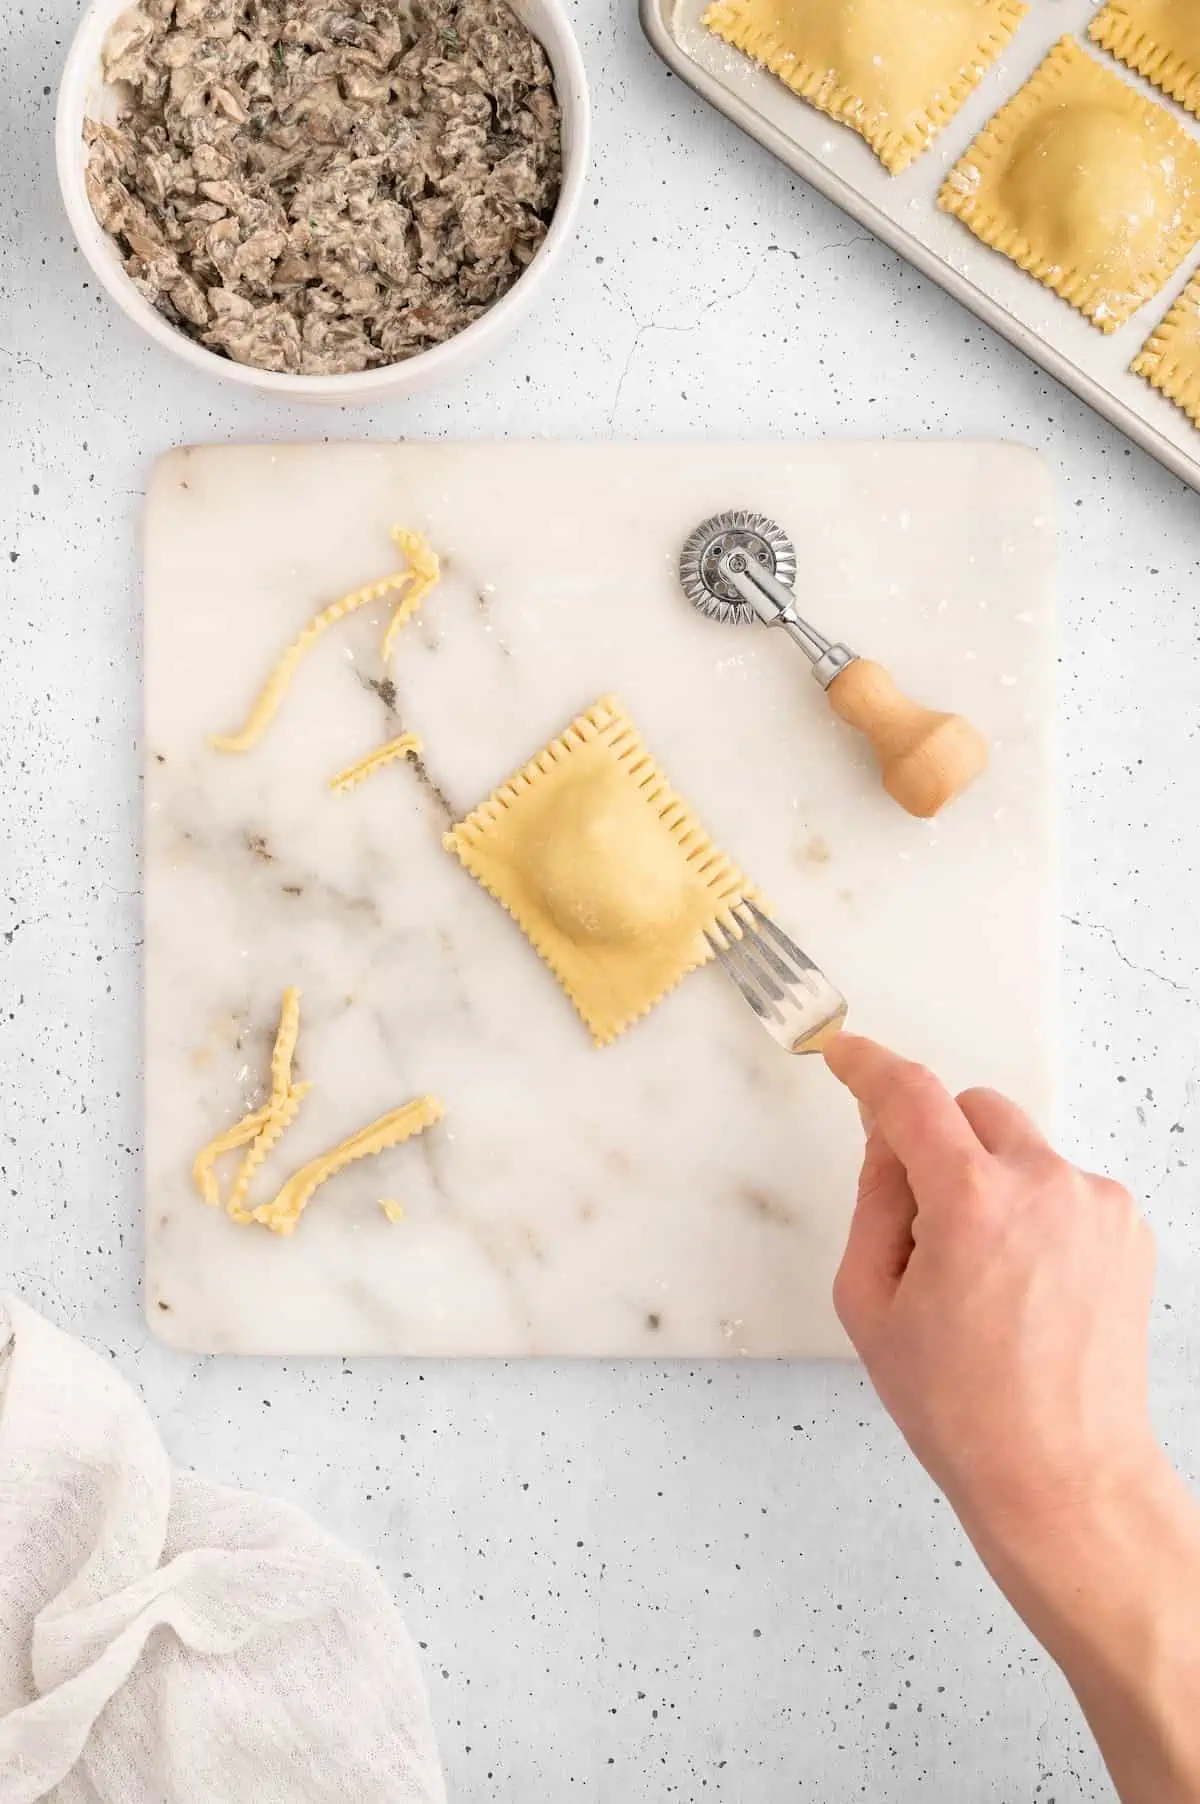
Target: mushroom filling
(323, 186)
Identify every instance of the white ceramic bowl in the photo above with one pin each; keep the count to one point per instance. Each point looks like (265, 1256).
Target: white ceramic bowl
(84, 94)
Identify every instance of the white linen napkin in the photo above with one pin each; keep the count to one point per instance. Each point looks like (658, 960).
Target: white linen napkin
(166, 1641)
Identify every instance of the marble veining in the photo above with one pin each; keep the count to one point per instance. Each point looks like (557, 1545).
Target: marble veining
(686, 1190)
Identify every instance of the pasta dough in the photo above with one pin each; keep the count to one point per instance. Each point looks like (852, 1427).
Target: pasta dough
(204, 1174)
(407, 745)
(424, 567)
(421, 572)
(261, 1130)
(604, 869)
(283, 1212)
(895, 71)
(1170, 357)
(1086, 184)
(1158, 38)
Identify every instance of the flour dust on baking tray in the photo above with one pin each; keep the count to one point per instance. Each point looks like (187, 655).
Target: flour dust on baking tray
(325, 186)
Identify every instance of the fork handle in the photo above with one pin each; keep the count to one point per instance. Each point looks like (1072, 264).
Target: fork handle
(925, 758)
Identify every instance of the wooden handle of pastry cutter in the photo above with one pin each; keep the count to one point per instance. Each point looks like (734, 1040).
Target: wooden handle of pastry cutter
(925, 758)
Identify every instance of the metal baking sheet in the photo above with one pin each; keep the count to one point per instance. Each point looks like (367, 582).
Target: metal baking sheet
(902, 210)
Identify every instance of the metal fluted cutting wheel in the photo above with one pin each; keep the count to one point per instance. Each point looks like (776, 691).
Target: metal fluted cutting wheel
(735, 530)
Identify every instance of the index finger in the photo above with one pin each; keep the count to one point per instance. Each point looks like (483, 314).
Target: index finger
(916, 1115)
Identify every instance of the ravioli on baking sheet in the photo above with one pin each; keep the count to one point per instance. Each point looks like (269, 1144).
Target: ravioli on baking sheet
(1170, 357)
(895, 71)
(1158, 38)
(1084, 183)
(607, 873)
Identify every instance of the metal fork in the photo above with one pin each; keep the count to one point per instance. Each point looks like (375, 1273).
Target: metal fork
(795, 1002)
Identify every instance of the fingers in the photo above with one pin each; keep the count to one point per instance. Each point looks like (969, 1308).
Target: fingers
(880, 1242)
(1000, 1125)
(915, 1114)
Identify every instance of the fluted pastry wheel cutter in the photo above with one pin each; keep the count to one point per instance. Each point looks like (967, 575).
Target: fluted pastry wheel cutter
(739, 567)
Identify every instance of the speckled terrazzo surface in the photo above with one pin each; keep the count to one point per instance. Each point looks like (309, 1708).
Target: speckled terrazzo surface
(646, 1583)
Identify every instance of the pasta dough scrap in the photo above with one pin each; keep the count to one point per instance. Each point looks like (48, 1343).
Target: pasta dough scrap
(607, 873)
(263, 1128)
(248, 1130)
(1158, 38)
(425, 569)
(260, 1130)
(421, 572)
(281, 1109)
(407, 745)
(895, 73)
(1085, 184)
(1170, 357)
(392, 1209)
(284, 1049)
(204, 1167)
(280, 1117)
(283, 1212)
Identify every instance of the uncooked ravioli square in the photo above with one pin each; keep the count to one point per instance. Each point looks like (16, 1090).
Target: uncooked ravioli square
(1158, 38)
(895, 71)
(607, 873)
(1084, 183)
(1170, 357)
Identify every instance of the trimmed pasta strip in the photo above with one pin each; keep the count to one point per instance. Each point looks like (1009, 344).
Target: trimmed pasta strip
(282, 1107)
(254, 1127)
(280, 1116)
(283, 1212)
(425, 568)
(283, 1051)
(239, 1134)
(408, 745)
(421, 572)
(261, 1131)
(277, 684)
(392, 1209)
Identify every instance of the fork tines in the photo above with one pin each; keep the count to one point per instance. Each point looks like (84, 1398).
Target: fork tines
(768, 967)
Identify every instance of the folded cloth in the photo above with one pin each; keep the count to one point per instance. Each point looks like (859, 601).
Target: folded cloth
(165, 1641)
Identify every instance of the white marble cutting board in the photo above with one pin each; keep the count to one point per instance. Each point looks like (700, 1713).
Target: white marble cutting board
(685, 1191)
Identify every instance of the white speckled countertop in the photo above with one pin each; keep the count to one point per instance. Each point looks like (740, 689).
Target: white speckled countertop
(649, 1582)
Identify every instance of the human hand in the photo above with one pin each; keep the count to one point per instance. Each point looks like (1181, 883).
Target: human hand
(999, 1299)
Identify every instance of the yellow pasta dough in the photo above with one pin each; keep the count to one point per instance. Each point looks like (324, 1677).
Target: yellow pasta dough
(283, 1212)
(280, 1117)
(604, 869)
(262, 1129)
(204, 1166)
(282, 1108)
(421, 572)
(407, 745)
(425, 568)
(1170, 357)
(259, 1130)
(1158, 38)
(1086, 184)
(895, 71)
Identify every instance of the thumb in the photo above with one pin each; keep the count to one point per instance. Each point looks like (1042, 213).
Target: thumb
(880, 1242)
